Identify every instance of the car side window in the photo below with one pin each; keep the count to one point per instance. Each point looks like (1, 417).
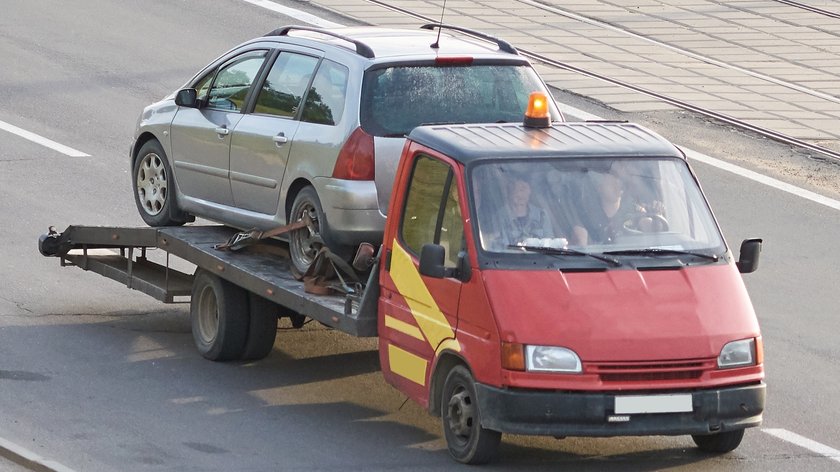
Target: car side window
(233, 82)
(432, 211)
(283, 89)
(202, 87)
(325, 99)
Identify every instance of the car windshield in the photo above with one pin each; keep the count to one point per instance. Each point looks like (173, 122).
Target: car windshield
(397, 99)
(641, 207)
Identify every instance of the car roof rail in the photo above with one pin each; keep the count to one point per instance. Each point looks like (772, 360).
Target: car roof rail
(362, 49)
(503, 45)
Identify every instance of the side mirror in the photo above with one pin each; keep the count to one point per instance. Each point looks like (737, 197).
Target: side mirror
(431, 261)
(187, 98)
(748, 260)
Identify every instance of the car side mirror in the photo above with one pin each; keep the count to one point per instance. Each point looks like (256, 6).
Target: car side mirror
(431, 261)
(187, 98)
(748, 260)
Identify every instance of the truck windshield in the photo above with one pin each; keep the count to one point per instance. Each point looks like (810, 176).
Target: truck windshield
(397, 99)
(641, 207)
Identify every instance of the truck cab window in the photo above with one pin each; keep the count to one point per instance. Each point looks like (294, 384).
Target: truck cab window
(432, 211)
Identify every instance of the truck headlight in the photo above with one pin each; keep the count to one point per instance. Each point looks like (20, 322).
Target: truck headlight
(551, 359)
(737, 354)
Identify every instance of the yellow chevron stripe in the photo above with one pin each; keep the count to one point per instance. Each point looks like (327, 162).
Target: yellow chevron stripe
(403, 327)
(423, 307)
(406, 364)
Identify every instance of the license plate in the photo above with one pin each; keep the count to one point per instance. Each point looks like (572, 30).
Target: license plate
(630, 405)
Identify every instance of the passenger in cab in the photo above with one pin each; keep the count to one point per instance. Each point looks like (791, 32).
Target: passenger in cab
(520, 219)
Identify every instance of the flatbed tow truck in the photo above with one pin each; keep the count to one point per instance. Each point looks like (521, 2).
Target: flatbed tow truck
(508, 295)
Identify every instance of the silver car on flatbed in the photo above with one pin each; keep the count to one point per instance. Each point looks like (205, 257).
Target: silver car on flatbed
(311, 121)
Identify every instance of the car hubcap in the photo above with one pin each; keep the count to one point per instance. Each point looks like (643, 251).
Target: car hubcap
(308, 239)
(461, 414)
(151, 184)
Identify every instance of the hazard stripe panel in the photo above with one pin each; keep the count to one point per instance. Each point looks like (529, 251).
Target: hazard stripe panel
(408, 365)
(403, 327)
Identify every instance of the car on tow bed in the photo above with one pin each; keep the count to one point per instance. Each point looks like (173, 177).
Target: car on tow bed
(307, 121)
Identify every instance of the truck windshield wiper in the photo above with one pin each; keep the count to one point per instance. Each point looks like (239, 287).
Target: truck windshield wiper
(566, 252)
(656, 251)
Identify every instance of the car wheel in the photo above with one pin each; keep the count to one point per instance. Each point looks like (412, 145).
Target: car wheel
(262, 329)
(219, 317)
(305, 243)
(720, 442)
(154, 187)
(467, 441)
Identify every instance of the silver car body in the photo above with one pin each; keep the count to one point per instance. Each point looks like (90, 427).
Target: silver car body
(244, 169)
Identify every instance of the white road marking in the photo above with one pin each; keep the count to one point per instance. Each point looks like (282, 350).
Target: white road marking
(297, 14)
(803, 442)
(38, 139)
(26, 458)
(737, 170)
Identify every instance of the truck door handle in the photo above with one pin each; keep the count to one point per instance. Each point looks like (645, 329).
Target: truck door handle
(280, 139)
(222, 131)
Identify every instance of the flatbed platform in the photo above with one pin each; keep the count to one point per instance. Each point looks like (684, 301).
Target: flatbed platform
(263, 269)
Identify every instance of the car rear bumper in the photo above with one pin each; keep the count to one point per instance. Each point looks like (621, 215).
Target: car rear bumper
(592, 414)
(352, 210)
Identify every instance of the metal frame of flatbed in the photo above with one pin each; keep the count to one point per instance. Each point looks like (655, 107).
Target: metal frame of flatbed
(263, 269)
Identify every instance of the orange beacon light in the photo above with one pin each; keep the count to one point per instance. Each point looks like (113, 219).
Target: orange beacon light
(536, 115)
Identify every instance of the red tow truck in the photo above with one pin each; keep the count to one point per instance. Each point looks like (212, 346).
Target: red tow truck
(563, 279)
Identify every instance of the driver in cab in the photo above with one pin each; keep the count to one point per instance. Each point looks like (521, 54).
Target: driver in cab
(608, 212)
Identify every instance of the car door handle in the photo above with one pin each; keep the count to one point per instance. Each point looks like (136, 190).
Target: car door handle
(223, 131)
(280, 139)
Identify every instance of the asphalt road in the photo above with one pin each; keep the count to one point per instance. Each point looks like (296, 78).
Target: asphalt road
(98, 378)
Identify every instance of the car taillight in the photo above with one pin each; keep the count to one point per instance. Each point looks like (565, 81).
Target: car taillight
(356, 158)
(452, 60)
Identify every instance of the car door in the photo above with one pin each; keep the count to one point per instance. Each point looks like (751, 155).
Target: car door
(262, 140)
(419, 312)
(201, 136)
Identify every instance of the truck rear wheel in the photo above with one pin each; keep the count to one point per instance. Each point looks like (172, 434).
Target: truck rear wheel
(219, 317)
(719, 442)
(467, 441)
(262, 329)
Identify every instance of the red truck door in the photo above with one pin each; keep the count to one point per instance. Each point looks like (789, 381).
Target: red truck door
(419, 313)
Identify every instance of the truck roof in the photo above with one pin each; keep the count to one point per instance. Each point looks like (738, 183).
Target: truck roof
(468, 142)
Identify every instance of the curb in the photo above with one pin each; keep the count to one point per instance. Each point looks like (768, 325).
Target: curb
(26, 458)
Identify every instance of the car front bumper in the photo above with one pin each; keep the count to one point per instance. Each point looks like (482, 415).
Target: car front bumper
(592, 414)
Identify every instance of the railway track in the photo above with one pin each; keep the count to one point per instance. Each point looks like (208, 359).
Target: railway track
(819, 151)
(810, 8)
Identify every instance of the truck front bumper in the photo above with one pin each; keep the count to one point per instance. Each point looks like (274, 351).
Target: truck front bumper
(592, 414)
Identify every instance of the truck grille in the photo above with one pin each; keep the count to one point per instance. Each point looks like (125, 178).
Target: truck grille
(650, 371)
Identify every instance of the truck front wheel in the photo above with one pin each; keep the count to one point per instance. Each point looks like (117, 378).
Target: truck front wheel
(219, 317)
(720, 442)
(467, 441)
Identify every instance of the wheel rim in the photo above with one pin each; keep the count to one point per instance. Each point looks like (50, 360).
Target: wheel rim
(152, 184)
(307, 241)
(208, 315)
(461, 414)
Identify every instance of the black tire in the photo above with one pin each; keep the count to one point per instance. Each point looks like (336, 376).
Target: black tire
(219, 317)
(305, 243)
(467, 441)
(154, 187)
(719, 443)
(262, 329)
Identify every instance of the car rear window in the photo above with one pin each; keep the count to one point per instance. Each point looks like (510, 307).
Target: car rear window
(397, 99)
